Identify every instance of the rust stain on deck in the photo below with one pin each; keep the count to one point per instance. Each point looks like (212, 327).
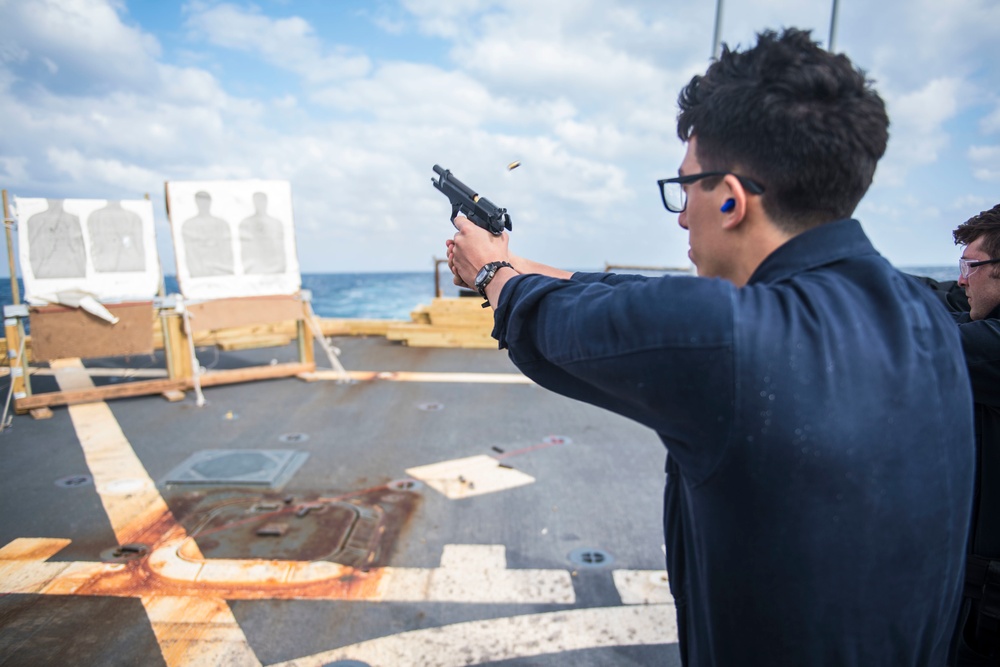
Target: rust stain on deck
(179, 562)
(137, 579)
(152, 529)
(359, 529)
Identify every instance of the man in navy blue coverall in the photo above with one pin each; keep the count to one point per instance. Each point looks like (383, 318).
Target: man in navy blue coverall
(813, 401)
(975, 304)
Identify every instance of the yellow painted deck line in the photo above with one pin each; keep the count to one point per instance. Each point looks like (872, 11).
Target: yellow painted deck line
(22, 566)
(32, 548)
(419, 376)
(137, 510)
(129, 495)
(479, 642)
(198, 632)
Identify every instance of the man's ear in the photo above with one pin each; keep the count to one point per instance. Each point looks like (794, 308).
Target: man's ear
(735, 205)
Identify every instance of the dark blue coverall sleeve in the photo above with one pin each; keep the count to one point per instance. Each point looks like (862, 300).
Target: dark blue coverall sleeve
(656, 351)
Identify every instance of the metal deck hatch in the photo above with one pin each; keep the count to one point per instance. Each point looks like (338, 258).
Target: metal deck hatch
(270, 468)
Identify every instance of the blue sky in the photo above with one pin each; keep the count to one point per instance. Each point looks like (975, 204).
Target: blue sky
(353, 102)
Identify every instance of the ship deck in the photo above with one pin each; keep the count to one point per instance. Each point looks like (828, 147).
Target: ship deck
(445, 511)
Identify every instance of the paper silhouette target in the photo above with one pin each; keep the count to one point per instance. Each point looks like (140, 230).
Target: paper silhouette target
(105, 248)
(233, 238)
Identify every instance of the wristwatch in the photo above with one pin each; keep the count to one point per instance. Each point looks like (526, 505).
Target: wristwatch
(486, 274)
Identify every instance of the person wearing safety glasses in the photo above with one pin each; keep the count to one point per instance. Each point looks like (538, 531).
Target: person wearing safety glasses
(974, 300)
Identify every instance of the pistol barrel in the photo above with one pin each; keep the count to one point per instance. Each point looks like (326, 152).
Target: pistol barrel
(448, 179)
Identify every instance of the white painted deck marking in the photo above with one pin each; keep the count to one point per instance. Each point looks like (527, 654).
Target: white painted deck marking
(642, 586)
(469, 573)
(473, 573)
(479, 642)
(471, 476)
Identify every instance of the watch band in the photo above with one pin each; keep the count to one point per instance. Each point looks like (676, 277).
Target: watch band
(491, 270)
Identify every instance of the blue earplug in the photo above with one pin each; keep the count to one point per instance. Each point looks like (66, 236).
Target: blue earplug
(728, 206)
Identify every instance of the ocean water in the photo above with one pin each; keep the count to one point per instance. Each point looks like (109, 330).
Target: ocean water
(388, 296)
(393, 295)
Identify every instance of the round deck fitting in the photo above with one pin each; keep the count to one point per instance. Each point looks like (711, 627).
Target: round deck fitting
(74, 481)
(404, 485)
(124, 553)
(587, 557)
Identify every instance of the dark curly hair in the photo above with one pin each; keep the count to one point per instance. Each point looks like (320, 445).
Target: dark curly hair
(986, 225)
(803, 122)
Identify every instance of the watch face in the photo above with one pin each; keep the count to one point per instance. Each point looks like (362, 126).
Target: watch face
(481, 276)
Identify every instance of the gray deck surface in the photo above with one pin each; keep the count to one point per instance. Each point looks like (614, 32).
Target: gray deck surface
(600, 490)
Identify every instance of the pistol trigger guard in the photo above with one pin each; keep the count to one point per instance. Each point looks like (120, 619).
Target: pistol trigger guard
(455, 208)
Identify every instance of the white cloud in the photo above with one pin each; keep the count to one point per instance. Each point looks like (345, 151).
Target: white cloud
(285, 102)
(77, 41)
(609, 59)
(12, 169)
(991, 123)
(924, 110)
(917, 133)
(447, 19)
(985, 163)
(984, 153)
(540, 66)
(189, 86)
(903, 43)
(420, 94)
(973, 202)
(110, 173)
(289, 43)
(12, 53)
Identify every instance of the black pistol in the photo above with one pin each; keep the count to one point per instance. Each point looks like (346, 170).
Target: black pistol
(464, 200)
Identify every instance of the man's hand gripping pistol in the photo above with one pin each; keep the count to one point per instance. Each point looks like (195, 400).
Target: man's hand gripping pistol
(464, 200)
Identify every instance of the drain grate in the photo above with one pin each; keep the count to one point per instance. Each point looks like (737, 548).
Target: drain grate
(587, 557)
(125, 553)
(292, 438)
(240, 467)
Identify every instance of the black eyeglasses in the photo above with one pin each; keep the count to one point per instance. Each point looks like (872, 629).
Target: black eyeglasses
(966, 267)
(675, 196)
